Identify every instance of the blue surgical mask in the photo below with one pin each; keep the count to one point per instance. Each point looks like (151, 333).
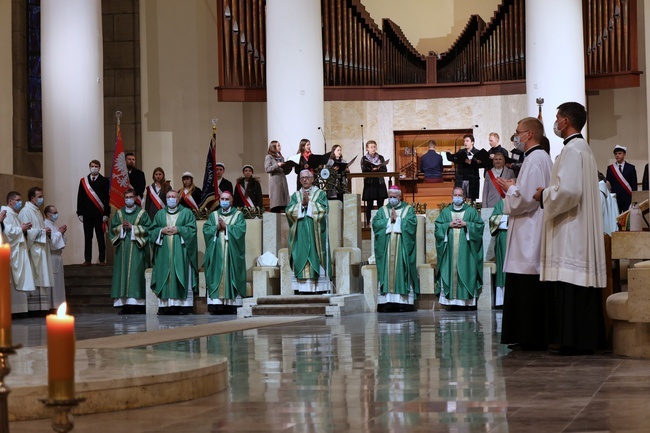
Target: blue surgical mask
(18, 205)
(458, 200)
(225, 204)
(39, 201)
(171, 202)
(129, 202)
(55, 216)
(393, 201)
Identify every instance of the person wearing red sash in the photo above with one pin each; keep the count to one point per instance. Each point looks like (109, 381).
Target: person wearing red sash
(622, 177)
(492, 192)
(190, 194)
(248, 191)
(156, 193)
(93, 210)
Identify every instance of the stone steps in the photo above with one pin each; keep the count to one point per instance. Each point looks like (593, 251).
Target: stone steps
(88, 289)
(298, 299)
(290, 310)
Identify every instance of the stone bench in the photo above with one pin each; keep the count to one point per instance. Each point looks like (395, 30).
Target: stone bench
(630, 311)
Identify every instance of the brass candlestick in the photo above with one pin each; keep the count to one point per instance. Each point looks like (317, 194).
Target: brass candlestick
(62, 421)
(5, 369)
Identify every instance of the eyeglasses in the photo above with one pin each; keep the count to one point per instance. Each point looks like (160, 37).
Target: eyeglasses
(306, 177)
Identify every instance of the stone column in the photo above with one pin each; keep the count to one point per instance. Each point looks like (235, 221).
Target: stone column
(352, 220)
(73, 106)
(294, 75)
(6, 91)
(554, 59)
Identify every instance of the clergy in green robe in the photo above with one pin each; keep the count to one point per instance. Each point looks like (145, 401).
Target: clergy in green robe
(394, 227)
(459, 243)
(308, 237)
(175, 272)
(225, 257)
(129, 232)
(499, 229)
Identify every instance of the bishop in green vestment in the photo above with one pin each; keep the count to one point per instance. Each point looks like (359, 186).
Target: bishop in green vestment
(459, 243)
(175, 272)
(225, 257)
(308, 237)
(129, 231)
(499, 229)
(394, 227)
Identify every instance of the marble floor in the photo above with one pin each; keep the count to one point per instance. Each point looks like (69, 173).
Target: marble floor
(402, 372)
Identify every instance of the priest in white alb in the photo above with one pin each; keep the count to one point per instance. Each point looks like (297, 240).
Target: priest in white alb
(38, 244)
(22, 279)
(57, 244)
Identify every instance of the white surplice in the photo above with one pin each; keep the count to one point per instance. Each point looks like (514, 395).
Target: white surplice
(38, 245)
(22, 278)
(57, 244)
(573, 249)
(526, 218)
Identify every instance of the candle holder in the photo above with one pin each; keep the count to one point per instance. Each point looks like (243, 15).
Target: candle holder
(62, 421)
(5, 369)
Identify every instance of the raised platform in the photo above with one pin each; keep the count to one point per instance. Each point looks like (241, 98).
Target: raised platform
(126, 372)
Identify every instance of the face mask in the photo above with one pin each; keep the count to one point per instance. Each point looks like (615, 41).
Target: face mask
(39, 201)
(129, 202)
(556, 130)
(458, 200)
(171, 202)
(54, 216)
(18, 205)
(516, 140)
(225, 204)
(393, 201)
(94, 171)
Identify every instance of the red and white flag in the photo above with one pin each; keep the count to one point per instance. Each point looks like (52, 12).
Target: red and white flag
(119, 173)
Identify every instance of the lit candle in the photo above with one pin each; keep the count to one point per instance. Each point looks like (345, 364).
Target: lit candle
(5, 295)
(60, 355)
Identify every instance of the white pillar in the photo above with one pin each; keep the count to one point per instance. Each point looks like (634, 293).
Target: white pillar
(73, 110)
(294, 75)
(554, 59)
(6, 92)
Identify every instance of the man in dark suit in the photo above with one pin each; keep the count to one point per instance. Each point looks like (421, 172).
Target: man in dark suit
(467, 168)
(495, 147)
(622, 178)
(223, 184)
(136, 177)
(93, 210)
(431, 164)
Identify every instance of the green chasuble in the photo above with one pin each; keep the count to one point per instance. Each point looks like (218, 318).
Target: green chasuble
(501, 240)
(459, 274)
(175, 267)
(131, 253)
(395, 252)
(225, 259)
(308, 238)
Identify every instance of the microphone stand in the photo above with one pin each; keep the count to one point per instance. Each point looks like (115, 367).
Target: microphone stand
(324, 139)
(413, 168)
(363, 146)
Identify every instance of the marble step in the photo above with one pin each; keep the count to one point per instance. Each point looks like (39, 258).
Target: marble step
(297, 299)
(289, 310)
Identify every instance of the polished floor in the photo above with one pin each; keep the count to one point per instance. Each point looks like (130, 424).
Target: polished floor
(400, 372)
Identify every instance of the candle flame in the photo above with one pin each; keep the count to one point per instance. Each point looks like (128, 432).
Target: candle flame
(62, 309)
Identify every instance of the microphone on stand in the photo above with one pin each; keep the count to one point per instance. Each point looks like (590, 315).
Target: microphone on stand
(324, 139)
(462, 133)
(413, 167)
(363, 146)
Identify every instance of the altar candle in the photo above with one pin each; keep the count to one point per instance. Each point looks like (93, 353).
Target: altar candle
(5, 295)
(60, 355)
